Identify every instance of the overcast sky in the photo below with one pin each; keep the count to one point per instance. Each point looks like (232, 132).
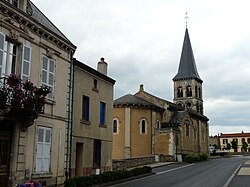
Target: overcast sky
(141, 40)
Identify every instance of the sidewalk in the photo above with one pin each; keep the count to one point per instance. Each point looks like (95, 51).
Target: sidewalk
(154, 165)
(241, 176)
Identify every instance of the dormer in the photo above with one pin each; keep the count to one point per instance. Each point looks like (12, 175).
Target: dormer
(20, 4)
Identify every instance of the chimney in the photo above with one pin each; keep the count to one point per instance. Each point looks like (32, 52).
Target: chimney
(102, 66)
(141, 88)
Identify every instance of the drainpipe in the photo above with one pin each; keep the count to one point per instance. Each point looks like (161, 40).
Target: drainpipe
(70, 116)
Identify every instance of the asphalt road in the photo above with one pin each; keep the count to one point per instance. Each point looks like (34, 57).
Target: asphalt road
(211, 173)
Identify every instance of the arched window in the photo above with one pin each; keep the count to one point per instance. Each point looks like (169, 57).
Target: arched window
(201, 109)
(196, 91)
(158, 124)
(143, 126)
(187, 129)
(197, 107)
(189, 91)
(203, 135)
(199, 91)
(115, 126)
(194, 132)
(179, 92)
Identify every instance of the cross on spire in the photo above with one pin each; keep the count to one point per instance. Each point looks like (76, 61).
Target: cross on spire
(186, 17)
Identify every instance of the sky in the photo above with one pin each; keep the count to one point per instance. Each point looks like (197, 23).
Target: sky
(141, 40)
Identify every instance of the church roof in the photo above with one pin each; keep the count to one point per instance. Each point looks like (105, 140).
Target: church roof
(187, 67)
(132, 100)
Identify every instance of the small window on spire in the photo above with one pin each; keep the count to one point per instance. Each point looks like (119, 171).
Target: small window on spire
(189, 91)
(179, 92)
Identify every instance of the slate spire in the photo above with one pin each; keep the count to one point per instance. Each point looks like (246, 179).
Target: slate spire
(187, 67)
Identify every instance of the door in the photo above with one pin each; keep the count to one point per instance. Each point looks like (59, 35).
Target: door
(4, 160)
(5, 147)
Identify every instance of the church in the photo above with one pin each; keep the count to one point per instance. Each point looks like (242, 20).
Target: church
(144, 124)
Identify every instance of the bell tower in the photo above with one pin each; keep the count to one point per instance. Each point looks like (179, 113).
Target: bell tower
(187, 82)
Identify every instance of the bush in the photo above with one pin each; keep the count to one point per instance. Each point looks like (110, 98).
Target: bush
(194, 158)
(105, 177)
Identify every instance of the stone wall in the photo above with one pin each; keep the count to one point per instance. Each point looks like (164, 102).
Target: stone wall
(132, 162)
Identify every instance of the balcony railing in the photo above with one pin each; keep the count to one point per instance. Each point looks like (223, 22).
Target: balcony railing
(18, 94)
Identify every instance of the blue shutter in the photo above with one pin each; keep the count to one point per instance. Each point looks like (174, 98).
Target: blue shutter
(102, 113)
(87, 108)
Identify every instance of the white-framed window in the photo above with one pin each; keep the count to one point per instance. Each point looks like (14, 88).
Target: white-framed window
(8, 58)
(48, 74)
(143, 126)
(115, 126)
(8, 55)
(43, 149)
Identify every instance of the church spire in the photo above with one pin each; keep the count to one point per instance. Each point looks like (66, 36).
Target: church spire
(187, 67)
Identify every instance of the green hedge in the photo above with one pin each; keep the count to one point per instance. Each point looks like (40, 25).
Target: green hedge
(195, 157)
(109, 176)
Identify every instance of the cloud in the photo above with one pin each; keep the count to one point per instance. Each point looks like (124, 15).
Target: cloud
(141, 41)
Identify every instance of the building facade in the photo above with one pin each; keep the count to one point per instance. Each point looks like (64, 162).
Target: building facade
(239, 138)
(169, 128)
(34, 144)
(92, 120)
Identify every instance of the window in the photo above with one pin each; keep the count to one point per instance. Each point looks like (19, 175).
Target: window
(97, 153)
(236, 140)
(189, 91)
(248, 140)
(43, 149)
(196, 91)
(143, 126)
(203, 135)
(85, 108)
(95, 88)
(179, 92)
(102, 113)
(48, 74)
(26, 63)
(194, 132)
(13, 2)
(199, 92)
(115, 126)
(158, 124)
(243, 140)
(8, 54)
(225, 141)
(187, 129)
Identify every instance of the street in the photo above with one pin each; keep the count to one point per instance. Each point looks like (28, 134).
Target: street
(211, 173)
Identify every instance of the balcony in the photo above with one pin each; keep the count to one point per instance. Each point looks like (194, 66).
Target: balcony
(21, 101)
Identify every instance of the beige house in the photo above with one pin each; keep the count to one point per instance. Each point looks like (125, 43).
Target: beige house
(33, 143)
(239, 138)
(144, 124)
(92, 122)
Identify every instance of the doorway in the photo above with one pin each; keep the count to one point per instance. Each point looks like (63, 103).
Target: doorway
(5, 147)
(79, 159)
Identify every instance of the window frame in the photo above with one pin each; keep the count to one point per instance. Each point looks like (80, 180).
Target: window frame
(51, 95)
(117, 126)
(102, 119)
(42, 168)
(97, 153)
(187, 129)
(85, 115)
(143, 126)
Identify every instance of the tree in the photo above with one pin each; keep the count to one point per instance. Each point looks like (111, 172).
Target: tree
(234, 145)
(228, 146)
(244, 146)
